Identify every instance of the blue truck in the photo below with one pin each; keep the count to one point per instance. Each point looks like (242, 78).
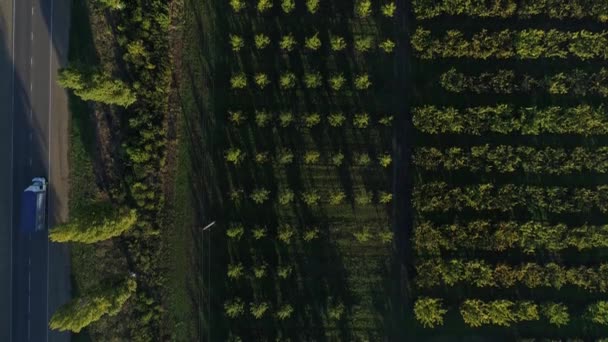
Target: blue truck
(33, 207)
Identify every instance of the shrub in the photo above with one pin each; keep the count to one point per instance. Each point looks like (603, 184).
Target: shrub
(311, 197)
(388, 10)
(261, 79)
(264, 5)
(234, 155)
(311, 234)
(386, 237)
(337, 43)
(261, 41)
(285, 119)
(259, 196)
(285, 156)
(363, 44)
(363, 159)
(284, 271)
(288, 6)
(386, 197)
(336, 82)
(336, 197)
(261, 157)
(336, 311)
(387, 45)
(313, 43)
(238, 81)
(287, 80)
(386, 120)
(429, 312)
(286, 197)
(362, 82)
(336, 119)
(287, 43)
(236, 42)
(312, 80)
(311, 120)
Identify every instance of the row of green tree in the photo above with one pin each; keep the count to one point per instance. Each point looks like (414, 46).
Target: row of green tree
(508, 119)
(287, 119)
(441, 197)
(430, 312)
(508, 159)
(312, 197)
(557, 9)
(431, 239)
(310, 80)
(479, 273)
(574, 82)
(523, 44)
(285, 156)
(336, 43)
(363, 8)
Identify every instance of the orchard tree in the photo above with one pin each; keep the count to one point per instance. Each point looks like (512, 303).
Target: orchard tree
(312, 6)
(288, 6)
(429, 312)
(286, 119)
(234, 308)
(362, 82)
(363, 235)
(363, 198)
(313, 42)
(337, 197)
(337, 43)
(385, 160)
(259, 196)
(96, 222)
(385, 197)
(261, 79)
(286, 197)
(336, 119)
(363, 8)
(238, 81)
(336, 82)
(363, 44)
(235, 231)
(311, 234)
(236, 42)
(386, 237)
(258, 309)
(235, 271)
(363, 159)
(311, 197)
(107, 299)
(96, 86)
(337, 159)
(284, 271)
(287, 80)
(237, 5)
(113, 4)
(261, 158)
(262, 118)
(386, 120)
(312, 80)
(234, 155)
(287, 43)
(236, 117)
(285, 156)
(259, 232)
(598, 312)
(261, 41)
(264, 5)
(285, 233)
(361, 120)
(311, 120)
(312, 157)
(285, 312)
(387, 45)
(556, 313)
(336, 311)
(388, 10)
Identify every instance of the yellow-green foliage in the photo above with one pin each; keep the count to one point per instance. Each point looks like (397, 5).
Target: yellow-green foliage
(98, 223)
(82, 311)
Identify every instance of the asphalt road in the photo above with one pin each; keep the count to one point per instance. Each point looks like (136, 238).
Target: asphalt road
(35, 41)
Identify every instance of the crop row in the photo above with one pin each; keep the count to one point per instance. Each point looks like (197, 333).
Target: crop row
(479, 273)
(557, 9)
(263, 118)
(440, 197)
(310, 80)
(337, 43)
(507, 119)
(312, 197)
(484, 235)
(575, 82)
(524, 44)
(285, 156)
(430, 312)
(363, 8)
(508, 159)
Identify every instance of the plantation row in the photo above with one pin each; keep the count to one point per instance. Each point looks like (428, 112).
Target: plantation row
(288, 43)
(573, 82)
(313, 197)
(235, 308)
(285, 157)
(440, 197)
(523, 9)
(475, 313)
(287, 119)
(508, 119)
(311, 80)
(363, 8)
(287, 234)
(485, 235)
(479, 273)
(524, 44)
(508, 159)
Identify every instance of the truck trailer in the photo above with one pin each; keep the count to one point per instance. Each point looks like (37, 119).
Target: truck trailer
(33, 207)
